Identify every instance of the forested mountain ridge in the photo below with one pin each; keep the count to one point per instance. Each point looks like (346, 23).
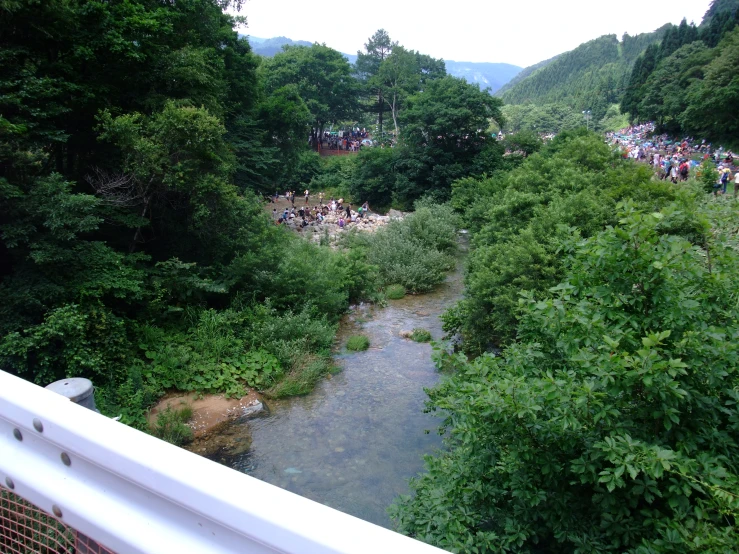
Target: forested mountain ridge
(524, 73)
(590, 77)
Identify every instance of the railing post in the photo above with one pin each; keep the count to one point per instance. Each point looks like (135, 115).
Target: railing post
(78, 389)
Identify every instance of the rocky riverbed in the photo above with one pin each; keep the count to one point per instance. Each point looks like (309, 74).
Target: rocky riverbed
(328, 230)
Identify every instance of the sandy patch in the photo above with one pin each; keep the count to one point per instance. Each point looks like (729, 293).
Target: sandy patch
(209, 411)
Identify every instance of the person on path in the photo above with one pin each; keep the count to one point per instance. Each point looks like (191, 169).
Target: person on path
(736, 183)
(348, 211)
(307, 195)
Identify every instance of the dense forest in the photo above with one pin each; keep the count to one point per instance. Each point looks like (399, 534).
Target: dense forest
(688, 82)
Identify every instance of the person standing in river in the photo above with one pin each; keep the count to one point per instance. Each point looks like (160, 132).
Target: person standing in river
(348, 211)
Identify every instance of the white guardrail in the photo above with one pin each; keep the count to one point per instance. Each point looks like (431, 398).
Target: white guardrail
(134, 493)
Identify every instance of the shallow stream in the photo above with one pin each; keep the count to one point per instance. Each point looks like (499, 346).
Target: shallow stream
(354, 442)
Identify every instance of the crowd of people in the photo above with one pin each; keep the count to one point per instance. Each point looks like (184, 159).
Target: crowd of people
(306, 215)
(350, 141)
(676, 159)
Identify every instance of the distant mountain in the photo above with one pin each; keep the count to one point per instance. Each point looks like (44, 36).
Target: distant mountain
(268, 47)
(487, 75)
(590, 77)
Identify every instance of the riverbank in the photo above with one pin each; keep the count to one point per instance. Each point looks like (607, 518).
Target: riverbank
(353, 442)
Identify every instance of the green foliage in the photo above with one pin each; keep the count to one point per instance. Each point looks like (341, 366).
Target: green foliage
(520, 219)
(708, 175)
(687, 84)
(323, 78)
(611, 425)
(335, 177)
(590, 77)
(613, 120)
(307, 371)
(171, 425)
(417, 251)
(395, 292)
(134, 250)
(542, 118)
(421, 335)
(357, 343)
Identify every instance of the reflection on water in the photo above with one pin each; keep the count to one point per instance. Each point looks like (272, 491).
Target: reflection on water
(355, 441)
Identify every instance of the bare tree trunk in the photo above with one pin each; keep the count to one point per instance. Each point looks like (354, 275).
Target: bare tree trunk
(381, 103)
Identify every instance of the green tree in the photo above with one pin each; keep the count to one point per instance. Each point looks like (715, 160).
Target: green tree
(446, 127)
(377, 48)
(399, 76)
(323, 79)
(711, 102)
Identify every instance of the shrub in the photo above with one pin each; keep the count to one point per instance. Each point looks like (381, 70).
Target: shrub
(405, 260)
(421, 335)
(357, 343)
(395, 292)
(170, 425)
(610, 425)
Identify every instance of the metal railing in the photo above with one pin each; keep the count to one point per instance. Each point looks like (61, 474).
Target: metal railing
(83, 475)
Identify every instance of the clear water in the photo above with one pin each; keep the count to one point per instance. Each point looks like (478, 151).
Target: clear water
(354, 442)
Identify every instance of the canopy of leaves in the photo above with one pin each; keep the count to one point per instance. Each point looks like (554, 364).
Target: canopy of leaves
(612, 424)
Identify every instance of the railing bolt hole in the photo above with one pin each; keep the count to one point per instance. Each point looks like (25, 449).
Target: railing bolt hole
(9, 483)
(57, 510)
(38, 425)
(65, 459)
(17, 434)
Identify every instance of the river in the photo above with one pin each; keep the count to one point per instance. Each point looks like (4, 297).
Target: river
(354, 442)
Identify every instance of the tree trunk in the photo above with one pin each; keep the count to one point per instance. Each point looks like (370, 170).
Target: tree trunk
(381, 103)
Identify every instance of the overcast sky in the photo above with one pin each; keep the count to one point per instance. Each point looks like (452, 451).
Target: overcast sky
(520, 32)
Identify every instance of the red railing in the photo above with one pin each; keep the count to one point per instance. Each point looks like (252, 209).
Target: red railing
(26, 529)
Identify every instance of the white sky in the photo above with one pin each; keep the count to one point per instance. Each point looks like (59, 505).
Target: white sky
(521, 32)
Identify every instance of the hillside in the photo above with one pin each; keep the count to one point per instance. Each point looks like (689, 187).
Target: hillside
(719, 6)
(590, 77)
(487, 75)
(523, 74)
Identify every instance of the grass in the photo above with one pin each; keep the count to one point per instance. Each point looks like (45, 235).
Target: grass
(303, 377)
(357, 343)
(395, 292)
(170, 425)
(421, 335)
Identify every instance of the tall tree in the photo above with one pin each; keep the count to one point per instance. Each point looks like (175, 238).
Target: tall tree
(378, 47)
(323, 79)
(399, 76)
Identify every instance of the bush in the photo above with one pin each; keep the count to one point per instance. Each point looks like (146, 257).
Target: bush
(611, 424)
(336, 175)
(421, 335)
(395, 292)
(357, 343)
(416, 252)
(170, 425)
